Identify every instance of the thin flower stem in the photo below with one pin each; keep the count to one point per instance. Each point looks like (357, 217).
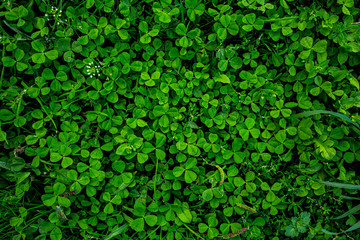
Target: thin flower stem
(196, 234)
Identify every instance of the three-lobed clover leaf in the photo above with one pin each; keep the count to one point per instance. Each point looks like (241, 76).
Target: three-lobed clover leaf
(307, 42)
(250, 22)
(146, 38)
(228, 25)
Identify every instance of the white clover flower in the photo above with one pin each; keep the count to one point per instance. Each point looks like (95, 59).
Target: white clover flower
(93, 70)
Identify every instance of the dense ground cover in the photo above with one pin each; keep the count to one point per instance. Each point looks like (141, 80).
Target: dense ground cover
(172, 119)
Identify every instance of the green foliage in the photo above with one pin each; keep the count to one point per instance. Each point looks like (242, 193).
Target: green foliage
(298, 225)
(169, 119)
(353, 210)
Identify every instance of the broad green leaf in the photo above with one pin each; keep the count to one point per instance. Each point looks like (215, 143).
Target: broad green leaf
(307, 42)
(11, 16)
(190, 176)
(138, 224)
(142, 157)
(63, 44)
(181, 146)
(203, 227)
(56, 234)
(222, 65)
(185, 215)
(192, 150)
(48, 199)
(151, 220)
(66, 162)
(6, 115)
(8, 61)
(38, 58)
(109, 208)
(208, 195)
(38, 46)
(64, 202)
(89, 3)
(225, 20)
(320, 46)
(136, 66)
(139, 209)
(178, 171)
(59, 188)
(249, 122)
(249, 18)
(213, 232)
(222, 33)
(291, 231)
(143, 26)
(181, 29)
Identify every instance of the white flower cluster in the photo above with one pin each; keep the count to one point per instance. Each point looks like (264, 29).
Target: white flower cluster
(92, 70)
(7, 2)
(55, 12)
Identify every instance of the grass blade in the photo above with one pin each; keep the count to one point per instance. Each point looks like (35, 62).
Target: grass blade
(349, 198)
(339, 115)
(246, 207)
(196, 234)
(353, 227)
(117, 232)
(341, 185)
(234, 234)
(351, 211)
(329, 233)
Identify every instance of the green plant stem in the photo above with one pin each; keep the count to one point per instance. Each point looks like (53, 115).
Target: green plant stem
(101, 113)
(195, 233)
(152, 232)
(42, 106)
(48, 163)
(16, 30)
(155, 177)
(280, 19)
(57, 16)
(199, 205)
(3, 67)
